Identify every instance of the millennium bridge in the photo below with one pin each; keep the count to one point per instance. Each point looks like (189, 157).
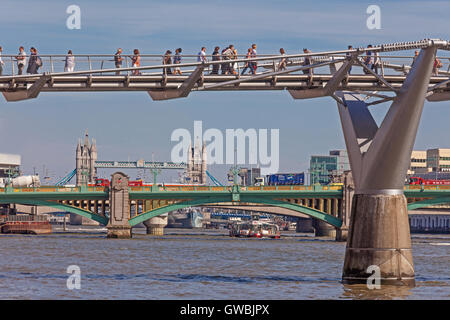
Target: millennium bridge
(379, 155)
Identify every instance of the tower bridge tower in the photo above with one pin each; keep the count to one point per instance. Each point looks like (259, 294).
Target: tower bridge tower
(86, 155)
(196, 164)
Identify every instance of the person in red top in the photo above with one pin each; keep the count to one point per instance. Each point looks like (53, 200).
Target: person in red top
(437, 64)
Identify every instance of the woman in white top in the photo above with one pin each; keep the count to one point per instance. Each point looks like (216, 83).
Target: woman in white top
(70, 62)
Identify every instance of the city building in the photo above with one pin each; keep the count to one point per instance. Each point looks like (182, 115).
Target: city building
(323, 167)
(418, 162)
(430, 163)
(438, 160)
(9, 164)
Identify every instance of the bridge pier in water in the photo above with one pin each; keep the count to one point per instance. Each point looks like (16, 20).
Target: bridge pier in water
(379, 232)
(155, 226)
(119, 207)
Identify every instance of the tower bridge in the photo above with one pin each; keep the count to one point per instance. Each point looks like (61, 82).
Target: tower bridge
(87, 164)
(379, 155)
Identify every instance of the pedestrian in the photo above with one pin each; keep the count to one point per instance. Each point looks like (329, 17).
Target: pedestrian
(215, 57)
(283, 60)
(225, 64)
(33, 63)
(228, 55)
(1, 61)
(235, 56)
(307, 62)
(248, 64)
(168, 60)
(201, 57)
(118, 60)
(349, 55)
(70, 62)
(377, 62)
(136, 62)
(177, 60)
(231, 53)
(436, 65)
(254, 64)
(21, 60)
(369, 61)
(416, 54)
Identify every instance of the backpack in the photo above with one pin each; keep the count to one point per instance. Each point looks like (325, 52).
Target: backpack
(39, 62)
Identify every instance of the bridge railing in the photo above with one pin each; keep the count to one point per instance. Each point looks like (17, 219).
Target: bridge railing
(55, 63)
(313, 188)
(54, 189)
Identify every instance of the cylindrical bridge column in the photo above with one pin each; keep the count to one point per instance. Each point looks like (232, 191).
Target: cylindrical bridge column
(379, 236)
(155, 226)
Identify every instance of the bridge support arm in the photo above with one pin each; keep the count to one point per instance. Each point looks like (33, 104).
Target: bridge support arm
(183, 91)
(379, 157)
(29, 93)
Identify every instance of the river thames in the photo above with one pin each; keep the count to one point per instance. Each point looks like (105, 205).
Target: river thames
(201, 264)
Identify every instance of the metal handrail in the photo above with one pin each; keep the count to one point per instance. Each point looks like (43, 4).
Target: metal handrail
(315, 55)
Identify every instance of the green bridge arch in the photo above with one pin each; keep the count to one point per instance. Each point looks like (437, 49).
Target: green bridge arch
(81, 212)
(428, 202)
(272, 202)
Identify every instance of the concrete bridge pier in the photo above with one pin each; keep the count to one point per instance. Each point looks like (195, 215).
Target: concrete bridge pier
(155, 226)
(346, 206)
(304, 225)
(379, 232)
(323, 229)
(118, 225)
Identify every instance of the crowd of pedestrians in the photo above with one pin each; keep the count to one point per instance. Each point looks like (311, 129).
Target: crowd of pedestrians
(227, 56)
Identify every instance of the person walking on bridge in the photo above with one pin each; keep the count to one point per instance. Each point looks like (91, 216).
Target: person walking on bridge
(136, 62)
(21, 60)
(253, 64)
(369, 60)
(283, 60)
(201, 57)
(224, 65)
(177, 60)
(437, 64)
(228, 55)
(348, 55)
(307, 62)
(168, 60)
(215, 57)
(70, 62)
(248, 64)
(33, 63)
(118, 60)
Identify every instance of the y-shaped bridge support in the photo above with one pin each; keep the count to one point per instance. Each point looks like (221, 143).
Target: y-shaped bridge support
(379, 157)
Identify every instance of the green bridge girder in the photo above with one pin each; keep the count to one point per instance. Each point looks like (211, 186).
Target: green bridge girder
(64, 207)
(244, 199)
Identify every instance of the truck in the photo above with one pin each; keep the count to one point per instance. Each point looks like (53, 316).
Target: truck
(21, 181)
(280, 179)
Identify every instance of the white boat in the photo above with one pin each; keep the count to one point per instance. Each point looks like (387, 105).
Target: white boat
(256, 229)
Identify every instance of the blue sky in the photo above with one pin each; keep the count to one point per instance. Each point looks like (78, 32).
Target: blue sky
(132, 126)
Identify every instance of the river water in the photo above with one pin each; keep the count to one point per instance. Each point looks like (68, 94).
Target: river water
(201, 264)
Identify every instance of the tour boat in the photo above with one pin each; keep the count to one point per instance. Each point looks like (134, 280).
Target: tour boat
(256, 229)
